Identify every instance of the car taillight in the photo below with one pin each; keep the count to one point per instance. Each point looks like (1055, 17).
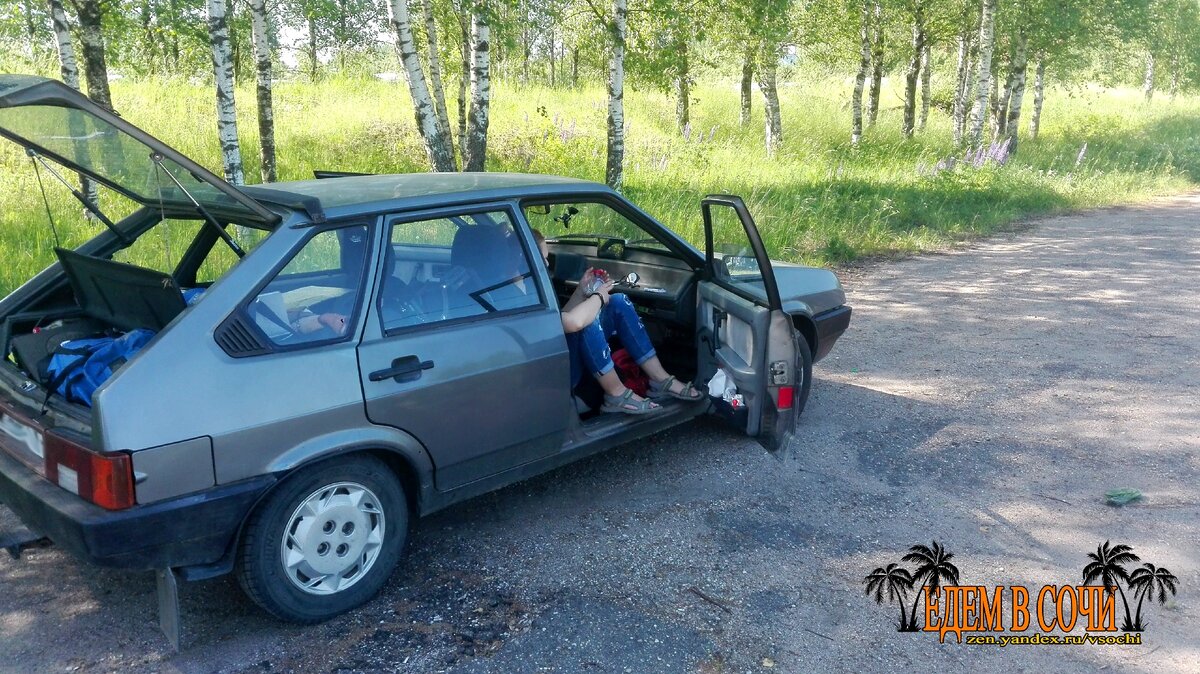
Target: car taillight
(785, 397)
(103, 479)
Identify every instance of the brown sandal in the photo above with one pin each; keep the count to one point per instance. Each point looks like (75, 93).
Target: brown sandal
(626, 404)
(662, 389)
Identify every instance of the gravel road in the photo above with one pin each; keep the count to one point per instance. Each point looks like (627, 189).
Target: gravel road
(985, 398)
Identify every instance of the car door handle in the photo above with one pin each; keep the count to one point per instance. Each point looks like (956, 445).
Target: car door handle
(406, 368)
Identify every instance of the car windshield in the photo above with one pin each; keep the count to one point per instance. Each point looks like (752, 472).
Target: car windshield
(587, 221)
(77, 137)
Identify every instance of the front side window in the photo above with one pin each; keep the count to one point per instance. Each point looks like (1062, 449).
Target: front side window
(452, 267)
(315, 296)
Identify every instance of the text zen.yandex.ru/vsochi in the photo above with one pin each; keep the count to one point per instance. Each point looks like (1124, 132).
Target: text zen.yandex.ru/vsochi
(978, 608)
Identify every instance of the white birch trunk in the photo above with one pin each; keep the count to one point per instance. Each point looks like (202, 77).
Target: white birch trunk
(91, 39)
(876, 67)
(773, 122)
(1039, 83)
(747, 87)
(1020, 68)
(1148, 82)
(1000, 107)
(860, 80)
(218, 35)
(614, 169)
(464, 52)
(926, 65)
(69, 69)
(439, 152)
(913, 76)
(963, 86)
(68, 66)
(263, 85)
(477, 118)
(435, 72)
(987, 26)
(683, 85)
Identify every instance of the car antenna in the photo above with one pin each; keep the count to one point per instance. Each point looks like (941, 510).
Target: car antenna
(91, 208)
(157, 158)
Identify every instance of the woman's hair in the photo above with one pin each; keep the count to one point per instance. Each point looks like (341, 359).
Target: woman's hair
(538, 237)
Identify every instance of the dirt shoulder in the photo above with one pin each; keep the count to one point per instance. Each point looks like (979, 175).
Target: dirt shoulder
(984, 398)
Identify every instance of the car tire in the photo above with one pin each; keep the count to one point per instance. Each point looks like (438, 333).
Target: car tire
(325, 540)
(804, 365)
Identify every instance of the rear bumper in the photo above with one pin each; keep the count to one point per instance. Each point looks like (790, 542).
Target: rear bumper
(193, 530)
(830, 325)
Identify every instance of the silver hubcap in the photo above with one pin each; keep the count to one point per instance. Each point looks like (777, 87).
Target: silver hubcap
(333, 538)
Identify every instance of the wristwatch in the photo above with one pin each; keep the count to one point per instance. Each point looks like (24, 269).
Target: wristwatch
(596, 294)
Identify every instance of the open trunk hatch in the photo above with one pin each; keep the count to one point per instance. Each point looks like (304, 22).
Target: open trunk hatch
(61, 124)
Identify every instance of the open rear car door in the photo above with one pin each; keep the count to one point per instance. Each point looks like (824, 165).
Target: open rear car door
(743, 329)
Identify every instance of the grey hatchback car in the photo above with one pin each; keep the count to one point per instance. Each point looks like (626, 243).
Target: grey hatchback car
(353, 352)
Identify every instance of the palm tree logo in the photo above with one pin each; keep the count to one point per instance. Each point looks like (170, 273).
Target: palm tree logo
(1108, 566)
(894, 581)
(1146, 581)
(934, 570)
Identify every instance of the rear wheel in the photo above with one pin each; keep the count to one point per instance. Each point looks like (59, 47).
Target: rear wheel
(325, 540)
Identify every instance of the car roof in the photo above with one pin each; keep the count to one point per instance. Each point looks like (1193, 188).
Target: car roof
(418, 189)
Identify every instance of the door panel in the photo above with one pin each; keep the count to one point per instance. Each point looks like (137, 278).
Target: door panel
(743, 328)
(492, 393)
(734, 337)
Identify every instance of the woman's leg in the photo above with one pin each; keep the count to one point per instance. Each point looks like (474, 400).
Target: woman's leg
(619, 317)
(594, 355)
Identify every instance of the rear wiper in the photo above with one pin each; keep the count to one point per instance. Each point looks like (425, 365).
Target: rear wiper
(91, 208)
(225, 236)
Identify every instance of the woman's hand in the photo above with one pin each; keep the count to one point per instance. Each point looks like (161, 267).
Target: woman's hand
(603, 291)
(335, 322)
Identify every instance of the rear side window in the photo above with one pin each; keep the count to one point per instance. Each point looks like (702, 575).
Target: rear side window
(447, 268)
(315, 296)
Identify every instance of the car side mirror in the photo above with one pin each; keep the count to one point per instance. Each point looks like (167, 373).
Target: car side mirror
(632, 279)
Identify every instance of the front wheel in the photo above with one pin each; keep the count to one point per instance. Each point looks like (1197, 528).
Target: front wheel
(325, 540)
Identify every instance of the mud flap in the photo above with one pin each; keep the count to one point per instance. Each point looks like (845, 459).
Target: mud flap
(168, 605)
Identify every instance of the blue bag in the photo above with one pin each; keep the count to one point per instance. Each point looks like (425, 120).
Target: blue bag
(79, 366)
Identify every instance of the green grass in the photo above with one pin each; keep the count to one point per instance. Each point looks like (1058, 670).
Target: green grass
(820, 201)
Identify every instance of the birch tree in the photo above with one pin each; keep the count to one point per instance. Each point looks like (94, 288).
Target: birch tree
(222, 61)
(1148, 80)
(435, 69)
(1039, 83)
(263, 84)
(747, 87)
(68, 67)
(876, 65)
(477, 118)
(438, 148)
(91, 39)
(773, 122)
(1019, 70)
(69, 70)
(964, 84)
(987, 24)
(864, 67)
(912, 76)
(614, 168)
(926, 66)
